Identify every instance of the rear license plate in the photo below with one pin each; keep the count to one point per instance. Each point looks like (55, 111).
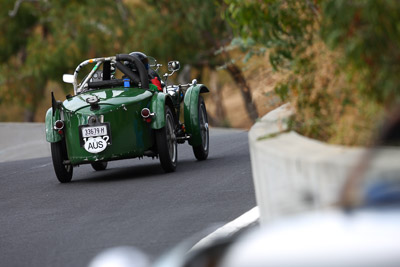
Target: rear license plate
(94, 131)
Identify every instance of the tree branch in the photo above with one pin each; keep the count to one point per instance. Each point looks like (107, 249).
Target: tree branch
(13, 13)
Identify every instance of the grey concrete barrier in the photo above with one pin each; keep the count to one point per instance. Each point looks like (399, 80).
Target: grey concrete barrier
(293, 174)
(20, 141)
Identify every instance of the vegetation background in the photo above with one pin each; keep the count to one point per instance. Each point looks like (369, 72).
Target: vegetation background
(336, 61)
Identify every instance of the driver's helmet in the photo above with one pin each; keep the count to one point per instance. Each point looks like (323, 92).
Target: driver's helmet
(142, 58)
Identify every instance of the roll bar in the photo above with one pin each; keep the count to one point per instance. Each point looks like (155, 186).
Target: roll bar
(142, 79)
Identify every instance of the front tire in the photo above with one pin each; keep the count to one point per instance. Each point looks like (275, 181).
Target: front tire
(166, 143)
(99, 166)
(59, 155)
(201, 151)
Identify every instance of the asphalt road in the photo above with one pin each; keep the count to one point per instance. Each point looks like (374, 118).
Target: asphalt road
(133, 202)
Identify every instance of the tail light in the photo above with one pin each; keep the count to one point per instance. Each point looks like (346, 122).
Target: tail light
(146, 114)
(58, 126)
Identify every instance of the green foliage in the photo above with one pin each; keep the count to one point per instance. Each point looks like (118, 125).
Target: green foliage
(368, 33)
(281, 26)
(46, 39)
(282, 90)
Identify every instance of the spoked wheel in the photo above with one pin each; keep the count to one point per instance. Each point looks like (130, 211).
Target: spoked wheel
(99, 166)
(59, 155)
(201, 151)
(166, 143)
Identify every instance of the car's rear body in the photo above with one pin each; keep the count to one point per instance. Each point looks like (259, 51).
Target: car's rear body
(129, 135)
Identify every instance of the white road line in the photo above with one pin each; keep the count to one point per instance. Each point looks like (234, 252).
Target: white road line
(230, 228)
(41, 166)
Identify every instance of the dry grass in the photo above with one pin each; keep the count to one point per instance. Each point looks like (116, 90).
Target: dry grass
(329, 105)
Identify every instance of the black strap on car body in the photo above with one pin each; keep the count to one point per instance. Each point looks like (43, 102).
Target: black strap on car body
(144, 78)
(153, 74)
(106, 70)
(53, 103)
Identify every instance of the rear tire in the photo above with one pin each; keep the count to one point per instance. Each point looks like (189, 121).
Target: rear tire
(166, 143)
(201, 151)
(59, 155)
(99, 166)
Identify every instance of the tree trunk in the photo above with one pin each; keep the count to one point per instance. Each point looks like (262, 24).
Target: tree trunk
(29, 115)
(239, 79)
(220, 112)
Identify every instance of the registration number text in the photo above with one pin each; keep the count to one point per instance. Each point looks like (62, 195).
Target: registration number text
(94, 131)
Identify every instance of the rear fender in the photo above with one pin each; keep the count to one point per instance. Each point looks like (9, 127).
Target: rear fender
(158, 103)
(51, 135)
(191, 112)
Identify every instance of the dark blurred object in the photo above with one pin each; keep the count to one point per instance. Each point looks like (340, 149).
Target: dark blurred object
(354, 194)
(390, 135)
(384, 193)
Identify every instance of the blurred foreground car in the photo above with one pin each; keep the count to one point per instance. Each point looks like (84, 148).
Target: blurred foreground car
(366, 237)
(362, 230)
(111, 119)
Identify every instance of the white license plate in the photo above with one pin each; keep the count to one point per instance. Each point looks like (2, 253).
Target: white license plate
(94, 131)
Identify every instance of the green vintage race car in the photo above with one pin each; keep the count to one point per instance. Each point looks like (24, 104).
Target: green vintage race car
(111, 117)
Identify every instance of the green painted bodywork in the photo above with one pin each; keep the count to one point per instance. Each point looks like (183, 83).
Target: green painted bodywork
(121, 107)
(51, 135)
(158, 107)
(191, 113)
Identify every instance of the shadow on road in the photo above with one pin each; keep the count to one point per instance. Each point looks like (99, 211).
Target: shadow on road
(115, 174)
(148, 170)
